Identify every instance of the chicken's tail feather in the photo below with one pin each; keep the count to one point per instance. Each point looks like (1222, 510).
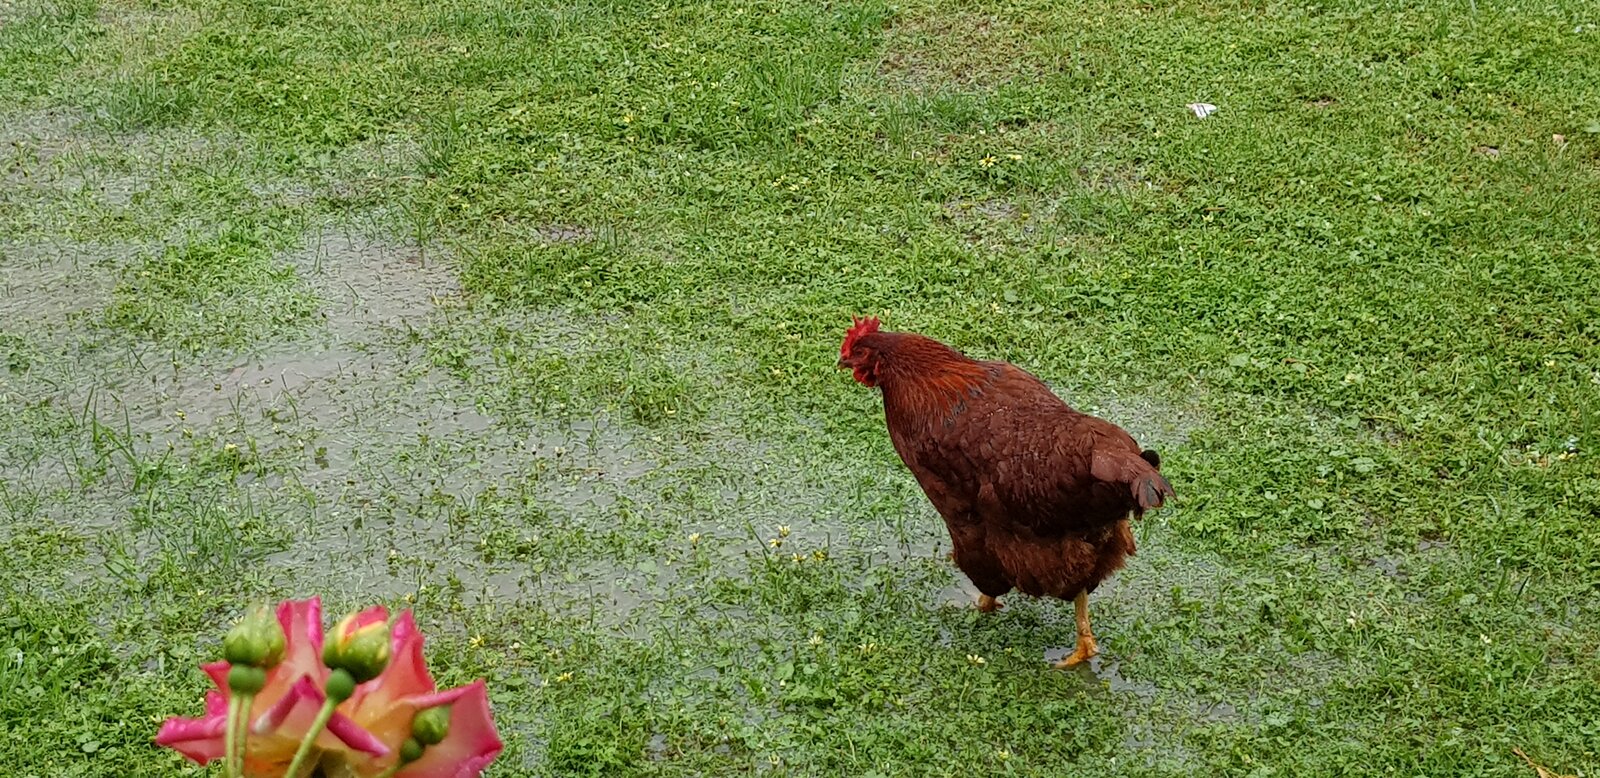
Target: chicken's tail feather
(1151, 490)
(1148, 488)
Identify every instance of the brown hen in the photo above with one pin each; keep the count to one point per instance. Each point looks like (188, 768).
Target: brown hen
(1036, 495)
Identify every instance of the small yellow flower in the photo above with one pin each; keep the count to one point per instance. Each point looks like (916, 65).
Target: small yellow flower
(1003, 754)
(564, 677)
(1014, 157)
(694, 539)
(627, 118)
(867, 648)
(476, 641)
(783, 530)
(798, 558)
(988, 161)
(819, 555)
(977, 660)
(816, 639)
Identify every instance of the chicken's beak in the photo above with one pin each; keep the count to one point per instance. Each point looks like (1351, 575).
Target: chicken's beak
(842, 364)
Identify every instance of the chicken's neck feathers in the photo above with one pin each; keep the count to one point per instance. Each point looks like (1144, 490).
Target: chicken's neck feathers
(935, 392)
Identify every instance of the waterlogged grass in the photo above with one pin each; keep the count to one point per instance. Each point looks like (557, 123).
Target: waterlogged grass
(525, 317)
(210, 293)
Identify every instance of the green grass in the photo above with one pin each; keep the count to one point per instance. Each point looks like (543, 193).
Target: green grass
(209, 293)
(575, 370)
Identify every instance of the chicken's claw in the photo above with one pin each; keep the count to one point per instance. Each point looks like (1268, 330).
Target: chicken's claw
(1084, 652)
(1086, 647)
(987, 604)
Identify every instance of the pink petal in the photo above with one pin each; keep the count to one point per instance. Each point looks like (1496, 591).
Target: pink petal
(471, 745)
(219, 674)
(355, 737)
(434, 700)
(292, 716)
(302, 628)
(304, 694)
(371, 615)
(216, 704)
(200, 740)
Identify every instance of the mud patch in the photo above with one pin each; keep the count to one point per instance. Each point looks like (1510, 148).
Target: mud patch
(1115, 178)
(143, 34)
(1001, 224)
(1153, 422)
(45, 288)
(61, 157)
(992, 210)
(1108, 674)
(371, 286)
(37, 136)
(1389, 566)
(564, 233)
(371, 176)
(956, 50)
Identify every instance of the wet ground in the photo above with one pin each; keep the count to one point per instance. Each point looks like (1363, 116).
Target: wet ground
(462, 309)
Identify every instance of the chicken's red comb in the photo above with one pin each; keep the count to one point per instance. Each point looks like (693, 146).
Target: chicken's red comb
(864, 326)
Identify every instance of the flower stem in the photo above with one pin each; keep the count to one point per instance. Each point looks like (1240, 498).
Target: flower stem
(241, 734)
(235, 734)
(317, 726)
(243, 683)
(230, 740)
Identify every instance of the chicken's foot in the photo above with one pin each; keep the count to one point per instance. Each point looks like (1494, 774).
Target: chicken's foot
(1086, 647)
(987, 604)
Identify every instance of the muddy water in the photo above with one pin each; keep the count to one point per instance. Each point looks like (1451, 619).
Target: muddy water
(379, 464)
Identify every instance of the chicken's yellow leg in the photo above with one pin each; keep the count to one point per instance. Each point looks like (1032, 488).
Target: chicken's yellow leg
(987, 604)
(1086, 647)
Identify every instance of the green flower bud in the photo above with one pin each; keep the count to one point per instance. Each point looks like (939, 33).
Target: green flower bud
(410, 751)
(340, 686)
(363, 650)
(432, 725)
(244, 679)
(257, 640)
